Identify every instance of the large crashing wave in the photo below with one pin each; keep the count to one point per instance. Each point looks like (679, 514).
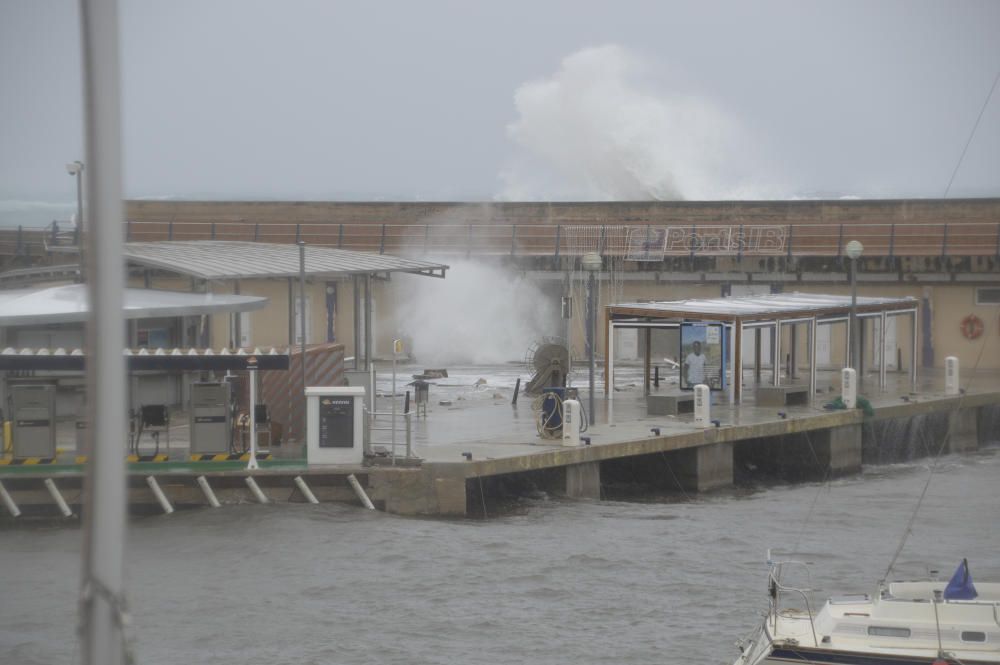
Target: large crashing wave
(599, 129)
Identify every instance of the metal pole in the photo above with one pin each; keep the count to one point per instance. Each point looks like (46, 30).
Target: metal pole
(883, 323)
(591, 340)
(776, 345)
(79, 219)
(102, 586)
(393, 400)
(356, 289)
(913, 352)
(302, 316)
(568, 293)
(813, 337)
(368, 323)
(252, 377)
(855, 334)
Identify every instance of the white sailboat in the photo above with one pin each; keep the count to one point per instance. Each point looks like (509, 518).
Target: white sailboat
(904, 623)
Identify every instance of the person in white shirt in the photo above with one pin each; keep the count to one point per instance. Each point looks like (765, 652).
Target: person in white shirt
(694, 366)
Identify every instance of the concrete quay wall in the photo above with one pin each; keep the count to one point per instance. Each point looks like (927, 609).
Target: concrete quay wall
(801, 446)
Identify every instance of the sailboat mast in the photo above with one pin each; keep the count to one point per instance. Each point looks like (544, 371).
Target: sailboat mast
(102, 588)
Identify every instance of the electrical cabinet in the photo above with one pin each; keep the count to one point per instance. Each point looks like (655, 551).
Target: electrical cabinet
(34, 420)
(335, 425)
(210, 418)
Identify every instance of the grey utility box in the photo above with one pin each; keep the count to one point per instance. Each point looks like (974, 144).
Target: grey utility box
(34, 420)
(209, 417)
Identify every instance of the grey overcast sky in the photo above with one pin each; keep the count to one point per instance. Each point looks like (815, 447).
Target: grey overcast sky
(439, 100)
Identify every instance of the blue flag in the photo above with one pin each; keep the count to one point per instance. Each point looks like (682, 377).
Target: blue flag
(961, 587)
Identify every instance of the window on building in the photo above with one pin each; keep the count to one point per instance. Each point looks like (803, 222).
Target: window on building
(988, 295)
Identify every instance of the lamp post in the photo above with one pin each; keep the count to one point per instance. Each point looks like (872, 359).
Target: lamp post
(854, 249)
(76, 169)
(592, 265)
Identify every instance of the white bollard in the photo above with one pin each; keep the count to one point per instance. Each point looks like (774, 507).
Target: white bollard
(160, 496)
(702, 405)
(8, 501)
(206, 489)
(849, 387)
(571, 422)
(58, 498)
(360, 491)
(306, 492)
(951, 375)
(252, 484)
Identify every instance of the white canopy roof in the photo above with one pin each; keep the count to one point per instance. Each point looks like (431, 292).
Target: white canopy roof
(226, 259)
(68, 304)
(759, 308)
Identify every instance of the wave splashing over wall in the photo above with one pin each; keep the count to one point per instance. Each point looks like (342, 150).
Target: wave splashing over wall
(599, 129)
(479, 314)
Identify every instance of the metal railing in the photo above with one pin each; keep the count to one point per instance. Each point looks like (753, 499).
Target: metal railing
(954, 238)
(394, 441)
(776, 588)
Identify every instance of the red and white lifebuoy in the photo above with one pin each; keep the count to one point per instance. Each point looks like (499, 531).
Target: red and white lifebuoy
(972, 327)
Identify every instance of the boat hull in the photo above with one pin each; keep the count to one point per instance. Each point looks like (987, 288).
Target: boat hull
(783, 655)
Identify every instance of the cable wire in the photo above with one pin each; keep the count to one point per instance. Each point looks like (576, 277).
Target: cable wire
(937, 458)
(971, 134)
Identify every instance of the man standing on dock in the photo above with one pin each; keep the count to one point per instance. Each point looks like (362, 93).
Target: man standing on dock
(694, 366)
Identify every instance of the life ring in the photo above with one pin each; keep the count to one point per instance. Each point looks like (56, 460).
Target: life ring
(972, 327)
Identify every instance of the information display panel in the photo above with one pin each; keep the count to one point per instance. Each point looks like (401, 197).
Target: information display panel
(336, 422)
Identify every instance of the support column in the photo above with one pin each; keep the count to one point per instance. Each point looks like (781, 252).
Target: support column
(731, 353)
(738, 363)
(368, 321)
(609, 359)
(433, 489)
(882, 360)
(356, 290)
(913, 351)
(583, 481)
(756, 356)
(236, 319)
(848, 331)
(291, 316)
(813, 329)
(963, 433)
(793, 369)
(646, 362)
(776, 363)
(844, 449)
(705, 467)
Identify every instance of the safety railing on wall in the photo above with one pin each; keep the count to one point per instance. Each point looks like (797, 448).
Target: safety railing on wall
(637, 242)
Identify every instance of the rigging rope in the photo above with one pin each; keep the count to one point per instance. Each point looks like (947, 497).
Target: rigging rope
(930, 475)
(971, 134)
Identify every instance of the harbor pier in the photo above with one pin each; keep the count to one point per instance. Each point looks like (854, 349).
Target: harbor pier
(478, 452)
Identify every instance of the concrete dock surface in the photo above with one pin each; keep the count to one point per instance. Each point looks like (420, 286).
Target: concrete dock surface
(472, 431)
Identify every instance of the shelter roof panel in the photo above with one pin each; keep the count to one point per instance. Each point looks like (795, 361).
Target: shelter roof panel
(219, 259)
(68, 304)
(758, 308)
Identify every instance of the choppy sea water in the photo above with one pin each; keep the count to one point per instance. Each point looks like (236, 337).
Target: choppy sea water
(552, 581)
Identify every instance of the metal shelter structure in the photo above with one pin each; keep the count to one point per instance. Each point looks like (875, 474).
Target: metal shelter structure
(743, 313)
(68, 303)
(219, 260)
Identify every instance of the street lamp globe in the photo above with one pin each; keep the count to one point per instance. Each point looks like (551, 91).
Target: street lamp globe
(592, 262)
(74, 168)
(854, 249)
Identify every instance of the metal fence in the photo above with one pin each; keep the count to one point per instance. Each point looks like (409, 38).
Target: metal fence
(636, 242)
